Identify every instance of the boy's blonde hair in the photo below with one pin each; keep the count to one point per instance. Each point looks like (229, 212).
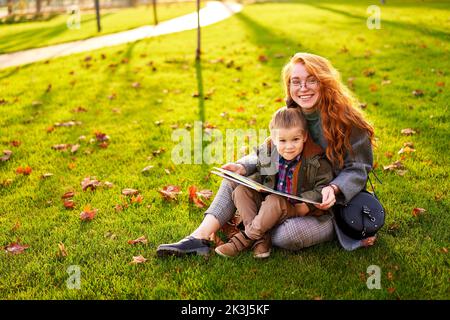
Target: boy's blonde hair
(286, 118)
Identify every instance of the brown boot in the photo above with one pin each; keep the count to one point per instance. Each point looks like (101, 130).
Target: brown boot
(262, 247)
(236, 244)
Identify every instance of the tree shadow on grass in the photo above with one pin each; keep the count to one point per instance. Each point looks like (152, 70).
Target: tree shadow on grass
(35, 38)
(440, 35)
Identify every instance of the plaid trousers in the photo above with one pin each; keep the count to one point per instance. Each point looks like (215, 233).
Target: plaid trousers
(293, 234)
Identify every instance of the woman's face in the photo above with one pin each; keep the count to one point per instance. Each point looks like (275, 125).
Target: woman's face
(304, 88)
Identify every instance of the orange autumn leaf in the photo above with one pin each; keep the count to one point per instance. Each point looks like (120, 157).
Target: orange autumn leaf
(137, 199)
(88, 214)
(418, 211)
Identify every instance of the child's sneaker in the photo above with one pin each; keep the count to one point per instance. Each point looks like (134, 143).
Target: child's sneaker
(262, 247)
(236, 244)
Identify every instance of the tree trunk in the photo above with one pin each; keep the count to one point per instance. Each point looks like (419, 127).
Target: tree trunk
(38, 6)
(10, 7)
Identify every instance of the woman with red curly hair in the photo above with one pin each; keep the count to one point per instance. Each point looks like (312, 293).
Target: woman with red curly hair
(312, 84)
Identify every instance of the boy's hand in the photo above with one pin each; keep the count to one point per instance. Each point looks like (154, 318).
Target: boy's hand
(234, 167)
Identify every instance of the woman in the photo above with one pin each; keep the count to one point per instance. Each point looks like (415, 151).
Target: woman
(314, 85)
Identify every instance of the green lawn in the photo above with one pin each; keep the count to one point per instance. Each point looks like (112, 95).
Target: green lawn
(242, 61)
(28, 35)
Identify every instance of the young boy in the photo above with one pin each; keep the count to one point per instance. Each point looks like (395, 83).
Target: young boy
(300, 169)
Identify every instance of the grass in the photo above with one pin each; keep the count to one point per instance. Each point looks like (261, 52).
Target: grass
(28, 35)
(253, 46)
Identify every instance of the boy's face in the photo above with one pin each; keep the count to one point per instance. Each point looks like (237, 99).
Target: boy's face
(289, 141)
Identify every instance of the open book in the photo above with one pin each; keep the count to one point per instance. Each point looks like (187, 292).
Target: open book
(235, 177)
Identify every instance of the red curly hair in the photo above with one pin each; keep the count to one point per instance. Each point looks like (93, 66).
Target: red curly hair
(336, 104)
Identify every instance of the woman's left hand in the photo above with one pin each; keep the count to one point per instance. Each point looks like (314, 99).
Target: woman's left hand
(328, 198)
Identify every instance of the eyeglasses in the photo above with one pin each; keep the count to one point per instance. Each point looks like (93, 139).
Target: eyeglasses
(311, 83)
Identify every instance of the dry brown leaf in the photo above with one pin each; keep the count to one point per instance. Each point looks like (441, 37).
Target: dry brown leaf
(141, 239)
(129, 192)
(138, 259)
(6, 155)
(90, 182)
(406, 149)
(16, 248)
(61, 250)
(397, 165)
(170, 192)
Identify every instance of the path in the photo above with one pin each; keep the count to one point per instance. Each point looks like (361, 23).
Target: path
(213, 12)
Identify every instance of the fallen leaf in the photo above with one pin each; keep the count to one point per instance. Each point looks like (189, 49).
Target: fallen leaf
(101, 136)
(406, 150)
(16, 143)
(440, 84)
(16, 248)
(69, 204)
(103, 145)
(74, 148)
(68, 124)
(89, 182)
(418, 211)
(25, 171)
(369, 72)
(417, 93)
(205, 193)
(108, 184)
(137, 199)
(61, 147)
(388, 154)
(147, 168)
(88, 214)
(444, 250)
(138, 259)
(240, 109)
(47, 175)
(394, 166)
(391, 290)
(263, 58)
(68, 194)
(61, 250)
(79, 109)
(7, 155)
(141, 239)
(129, 192)
(390, 276)
(170, 192)
(136, 85)
(194, 198)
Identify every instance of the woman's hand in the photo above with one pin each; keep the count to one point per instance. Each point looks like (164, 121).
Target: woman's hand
(328, 198)
(235, 167)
